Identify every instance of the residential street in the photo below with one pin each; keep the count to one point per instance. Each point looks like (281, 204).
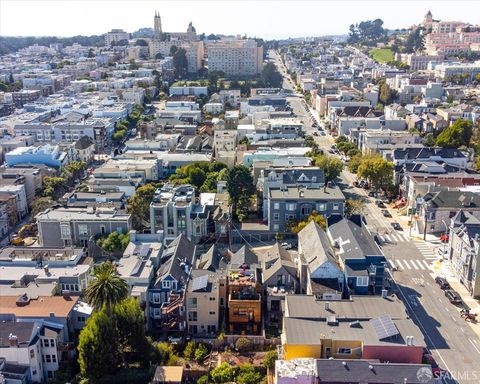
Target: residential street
(454, 343)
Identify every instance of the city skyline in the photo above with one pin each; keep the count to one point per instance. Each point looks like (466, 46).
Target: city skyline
(269, 20)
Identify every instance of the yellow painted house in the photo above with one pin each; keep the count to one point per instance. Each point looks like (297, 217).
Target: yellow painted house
(368, 327)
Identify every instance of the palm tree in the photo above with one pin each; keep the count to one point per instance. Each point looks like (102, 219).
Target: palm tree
(107, 288)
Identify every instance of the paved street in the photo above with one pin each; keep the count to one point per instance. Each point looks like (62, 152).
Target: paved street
(453, 342)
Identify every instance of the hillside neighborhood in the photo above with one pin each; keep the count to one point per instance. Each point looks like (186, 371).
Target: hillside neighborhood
(177, 207)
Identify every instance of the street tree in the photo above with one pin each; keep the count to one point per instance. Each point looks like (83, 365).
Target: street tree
(270, 76)
(377, 170)
(354, 207)
(332, 166)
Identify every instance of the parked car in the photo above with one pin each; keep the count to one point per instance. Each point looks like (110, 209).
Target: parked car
(396, 226)
(372, 194)
(442, 282)
(453, 296)
(380, 204)
(322, 133)
(429, 359)
(286, 246)
(315, 133)
(386, 213)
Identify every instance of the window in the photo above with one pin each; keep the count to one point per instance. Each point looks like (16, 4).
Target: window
(32, 353)
(82, 230)
(102, 229)
(321, 207)
(291, 206)
(156, 297)
(192, 302)
(211, 313)
(192, 316)
(54, 358)
(46, 343)
(345, 351)
(289, 217)
(276, 227)
(328, 351)
(52, 342)
(211, 298)
(65, 232)
(306, 210)
(336, 206)
(81, 319)
(156, 312)
(276, 205)
(50, 374)
(276, 216)
(166, 284)
(48, 359)
(362, 281)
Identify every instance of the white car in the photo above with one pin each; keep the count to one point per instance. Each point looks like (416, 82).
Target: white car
(286, 246)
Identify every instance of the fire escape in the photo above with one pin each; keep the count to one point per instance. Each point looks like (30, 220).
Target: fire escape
(173, 312)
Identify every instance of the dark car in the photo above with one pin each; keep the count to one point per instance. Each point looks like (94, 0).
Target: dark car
(453, 296)
(396, 226)
(380, 204)
(372, 194)
(442, 282)
(430, 360)
(386, 213)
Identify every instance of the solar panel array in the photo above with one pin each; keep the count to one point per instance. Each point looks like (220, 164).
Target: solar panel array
(384, 327)
(199, 283)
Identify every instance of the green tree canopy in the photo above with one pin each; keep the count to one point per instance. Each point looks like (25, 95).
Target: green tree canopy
(270, 76)
(314, 216)
(270, 358)
(54, 187)
(247, 374)
(114, 242)
(332, 166)
(377, 170)
(139, 205)
(223, 373)
(97, 353)
(354, 207)
(429, 140)
(40, 204)
(240, 187)
(456, 135)
(107, 288)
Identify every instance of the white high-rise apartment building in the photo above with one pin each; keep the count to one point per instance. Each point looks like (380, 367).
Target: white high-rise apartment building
(235, 57)
(115, 35)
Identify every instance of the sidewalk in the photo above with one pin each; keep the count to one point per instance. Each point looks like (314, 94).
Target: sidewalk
(443, 269)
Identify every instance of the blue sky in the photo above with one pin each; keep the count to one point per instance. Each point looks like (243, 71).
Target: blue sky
(263, 18)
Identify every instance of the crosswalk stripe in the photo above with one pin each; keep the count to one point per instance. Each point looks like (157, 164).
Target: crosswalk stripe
(387, 237)
(406, 263)
(419, 262)
(392, 264)
(381, 238)
(415, 262)
(426, 264)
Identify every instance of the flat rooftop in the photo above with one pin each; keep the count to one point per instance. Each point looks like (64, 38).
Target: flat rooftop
(42, 306)
(80, 214)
